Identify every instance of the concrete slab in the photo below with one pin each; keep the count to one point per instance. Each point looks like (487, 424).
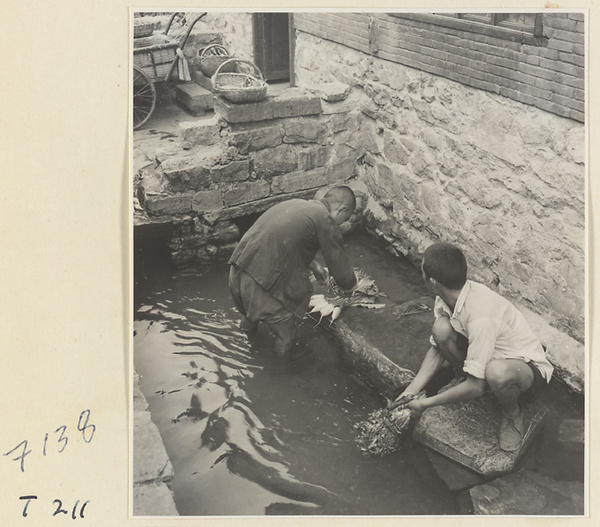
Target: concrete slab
(526, 492)
(468, 434)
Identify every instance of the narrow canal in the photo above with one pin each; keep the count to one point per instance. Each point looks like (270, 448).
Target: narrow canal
(248, 435)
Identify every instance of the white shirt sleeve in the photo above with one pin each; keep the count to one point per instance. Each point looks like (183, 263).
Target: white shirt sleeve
(482, 342)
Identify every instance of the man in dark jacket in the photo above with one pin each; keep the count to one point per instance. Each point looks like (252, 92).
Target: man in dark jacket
(269, 278)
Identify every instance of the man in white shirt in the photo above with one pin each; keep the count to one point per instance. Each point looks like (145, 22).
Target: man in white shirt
(487, 341)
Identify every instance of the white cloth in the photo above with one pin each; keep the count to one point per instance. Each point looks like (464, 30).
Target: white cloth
(182, 67)
(495, 329)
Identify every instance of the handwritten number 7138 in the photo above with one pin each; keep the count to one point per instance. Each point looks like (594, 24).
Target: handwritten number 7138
(83, 425)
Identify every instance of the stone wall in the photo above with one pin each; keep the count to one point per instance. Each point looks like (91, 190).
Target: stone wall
(440, 160)
(242, 161)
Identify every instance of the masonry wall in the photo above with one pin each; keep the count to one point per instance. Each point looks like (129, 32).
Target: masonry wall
(546, 72)
(441, 160)
(241, 162)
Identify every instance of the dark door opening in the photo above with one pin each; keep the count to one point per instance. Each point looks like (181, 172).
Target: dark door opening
(271, 45)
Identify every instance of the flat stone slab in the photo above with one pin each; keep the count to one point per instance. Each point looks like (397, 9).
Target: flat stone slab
(194, 97)
(203, 80)
(292, 102)
(528, 492)
(468, 434)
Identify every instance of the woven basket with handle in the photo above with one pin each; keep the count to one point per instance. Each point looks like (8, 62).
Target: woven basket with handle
(211, 57)
(246, 84)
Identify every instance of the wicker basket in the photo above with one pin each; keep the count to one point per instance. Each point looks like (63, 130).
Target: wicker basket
(211, 57)
(143, 29)
(155, 61)
(240, 86)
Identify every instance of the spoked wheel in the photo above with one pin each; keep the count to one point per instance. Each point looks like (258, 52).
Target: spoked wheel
(144, 98)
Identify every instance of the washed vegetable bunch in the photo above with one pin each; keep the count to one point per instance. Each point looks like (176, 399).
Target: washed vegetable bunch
(382, 432)
(364, 294)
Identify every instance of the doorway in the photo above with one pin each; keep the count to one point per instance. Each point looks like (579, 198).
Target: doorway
(272, 45)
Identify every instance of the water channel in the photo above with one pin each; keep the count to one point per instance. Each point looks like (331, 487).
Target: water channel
(248, 435)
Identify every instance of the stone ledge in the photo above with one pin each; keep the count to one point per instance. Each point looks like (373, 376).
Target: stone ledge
(292, 102)
(152, 469)
(468, 434)
(194, 97)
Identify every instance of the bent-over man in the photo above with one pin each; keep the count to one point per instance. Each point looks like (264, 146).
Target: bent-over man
(269, 273)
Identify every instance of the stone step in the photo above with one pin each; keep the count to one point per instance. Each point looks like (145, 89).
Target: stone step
(468, 434)
(203, 81)
(525, 492)
(194, 98)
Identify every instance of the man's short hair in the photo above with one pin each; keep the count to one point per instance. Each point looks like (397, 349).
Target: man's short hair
(342, 194)
(446, 263)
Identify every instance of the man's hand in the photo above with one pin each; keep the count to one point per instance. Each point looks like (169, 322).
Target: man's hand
(321, 273)
(417, 405)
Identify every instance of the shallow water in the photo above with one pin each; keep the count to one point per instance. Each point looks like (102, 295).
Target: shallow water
(248, 435)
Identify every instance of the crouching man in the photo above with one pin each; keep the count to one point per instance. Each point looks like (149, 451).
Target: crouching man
(269, 273)
(487, 341)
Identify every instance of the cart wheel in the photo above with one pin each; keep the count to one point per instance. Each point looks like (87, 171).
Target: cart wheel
(144, 98)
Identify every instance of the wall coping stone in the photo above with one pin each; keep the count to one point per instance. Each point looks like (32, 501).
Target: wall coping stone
(293, 102)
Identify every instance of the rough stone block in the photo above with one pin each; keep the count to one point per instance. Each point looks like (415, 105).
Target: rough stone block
(185, 173)
(454, 475)
(234, 171)
(339, 122)
(313, 157)
(256, 139)
(224, 232)
(525, 493)
(468, 433)
(304, 130)
(290, 103)
(245, 192)
(207, 200)
(254, 207)
(200, 133)
(203, 81)
(193, 97)
(192, 241)
(153, 499)
(275, 161)
(332, 91)
(351, 104)
(158, 204)
(299, 181)
(225, 251)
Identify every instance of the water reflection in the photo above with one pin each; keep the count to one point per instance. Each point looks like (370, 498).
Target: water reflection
(249, 435)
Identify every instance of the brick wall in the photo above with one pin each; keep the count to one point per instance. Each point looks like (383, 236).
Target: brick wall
(547, 72)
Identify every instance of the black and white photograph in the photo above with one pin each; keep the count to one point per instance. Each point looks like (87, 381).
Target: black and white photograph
(359, 263)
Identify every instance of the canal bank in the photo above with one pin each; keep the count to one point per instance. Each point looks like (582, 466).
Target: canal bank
(152, 470)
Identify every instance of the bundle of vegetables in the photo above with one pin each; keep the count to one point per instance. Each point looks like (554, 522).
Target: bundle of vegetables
(382, 432)
(364, 294)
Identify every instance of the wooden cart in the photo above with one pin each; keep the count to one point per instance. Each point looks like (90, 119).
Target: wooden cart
(155, 59)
